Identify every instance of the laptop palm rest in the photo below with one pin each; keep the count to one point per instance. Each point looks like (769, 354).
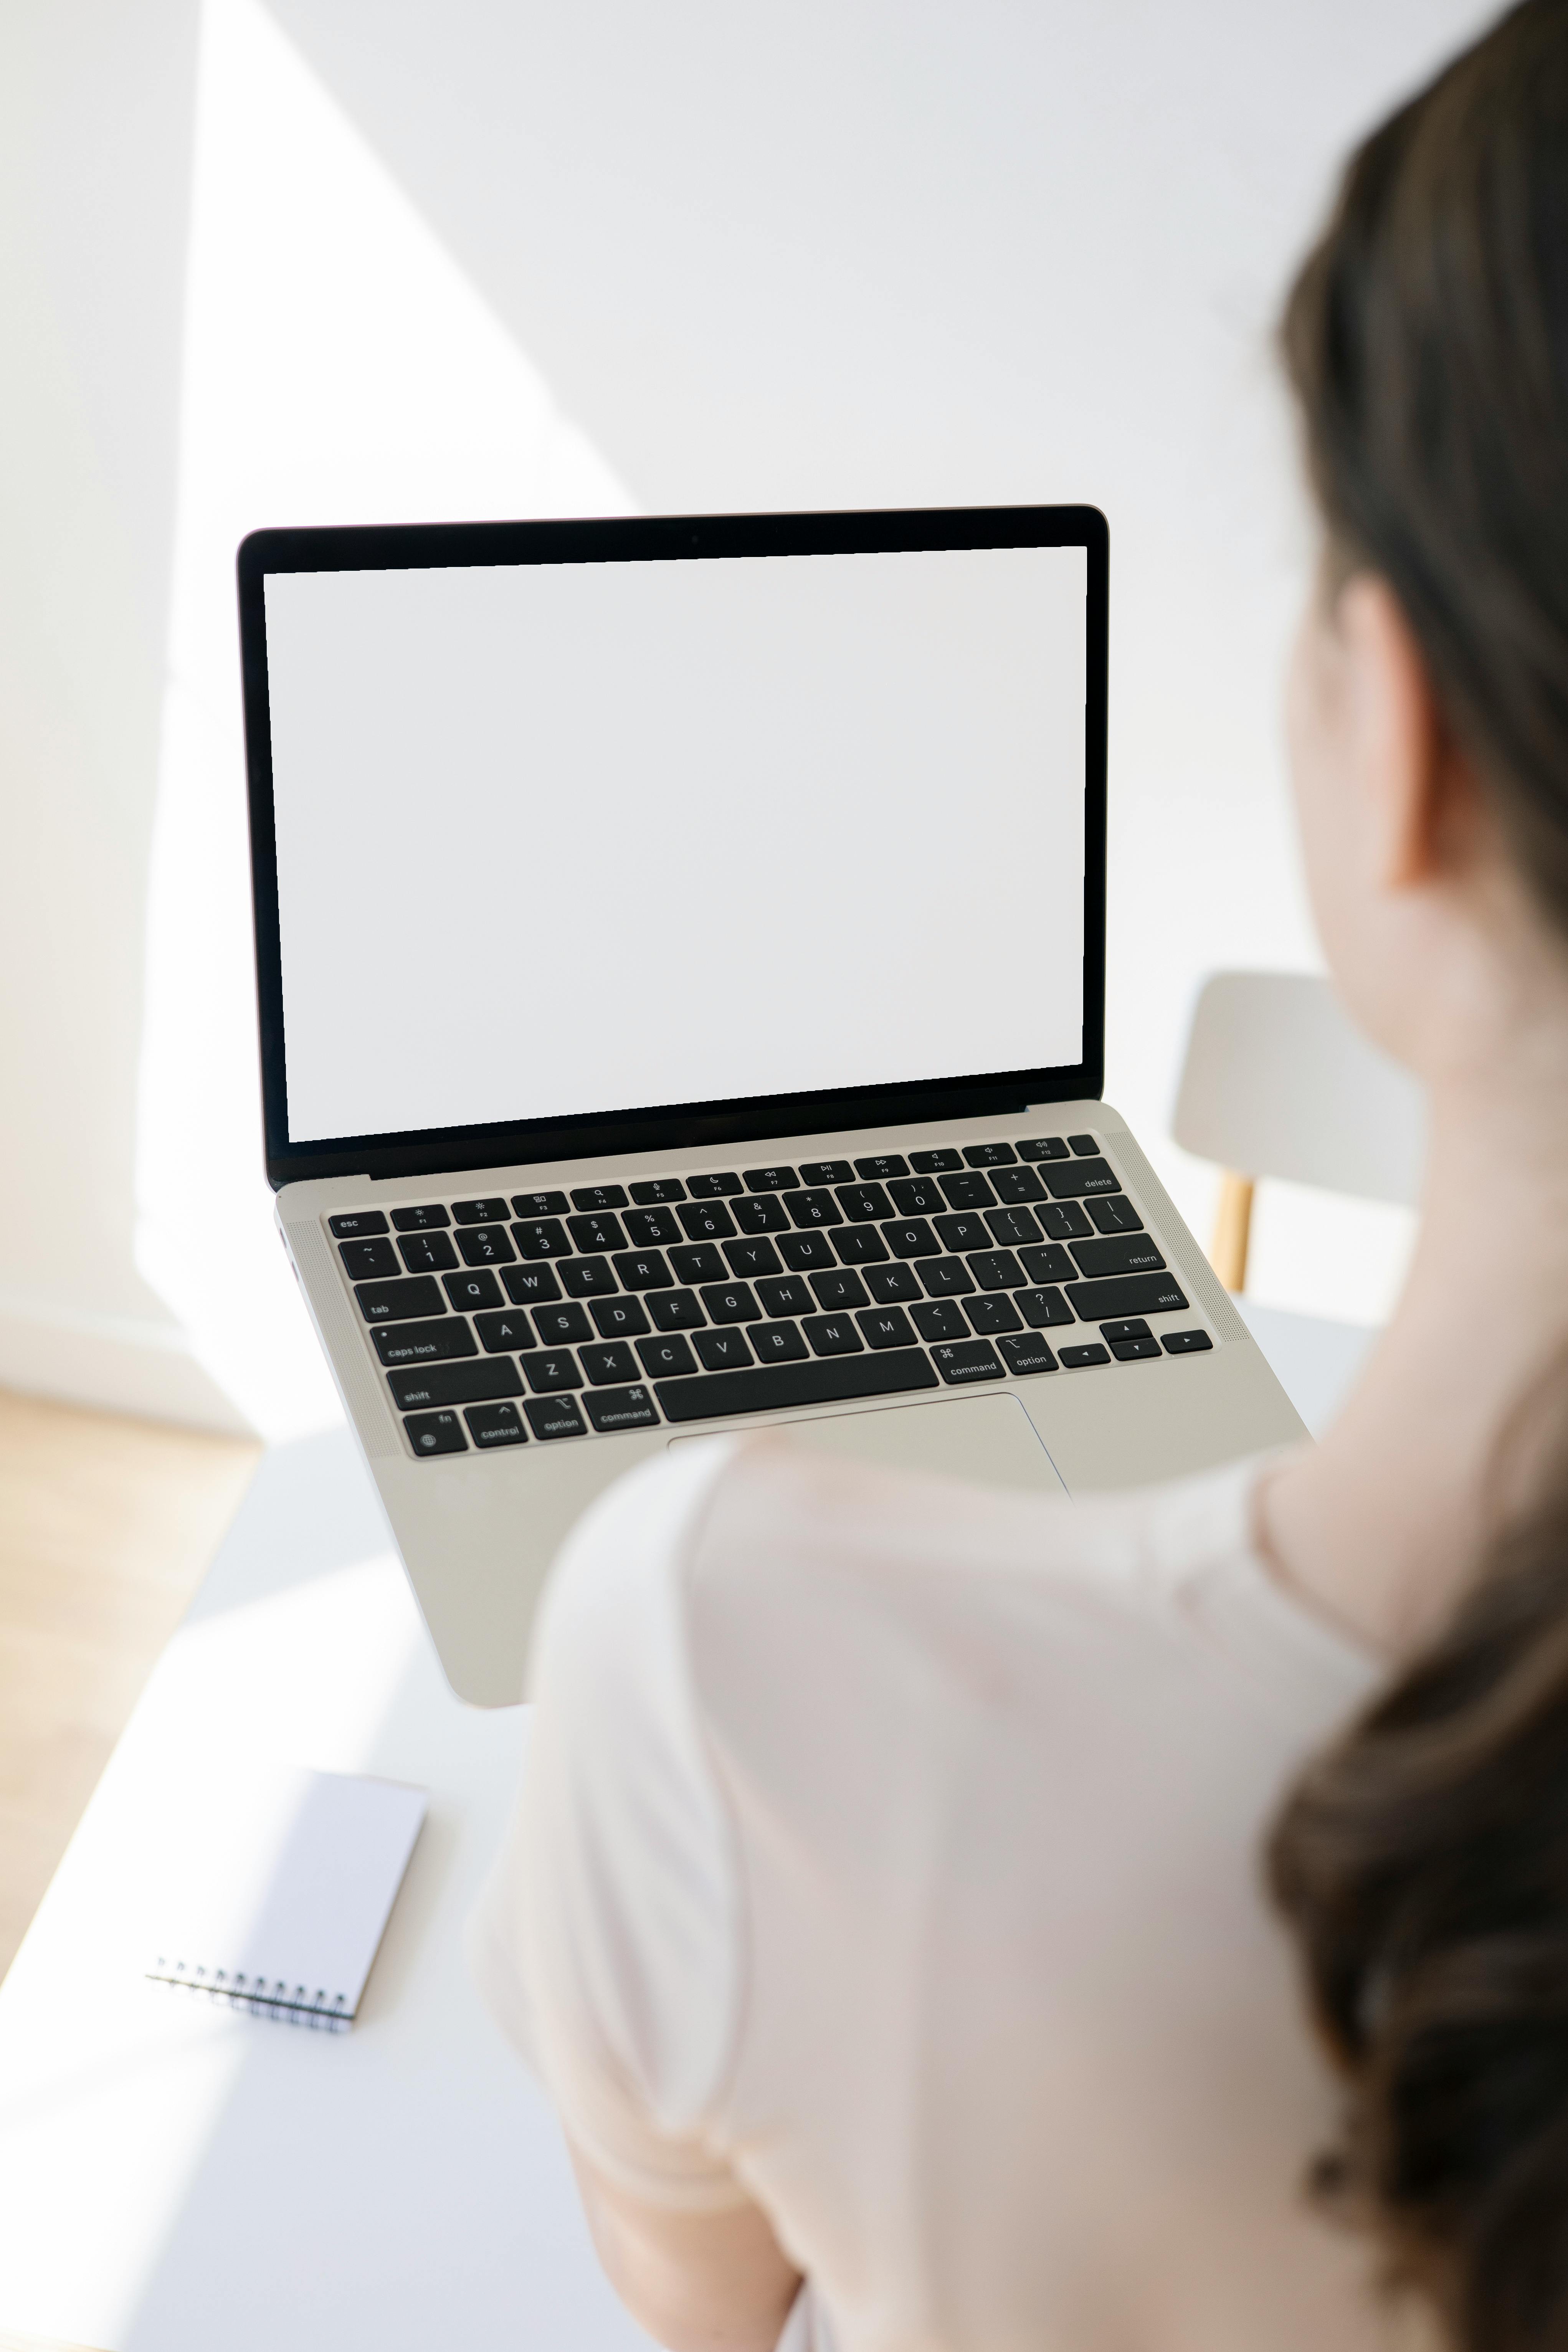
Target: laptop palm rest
(988, 1440)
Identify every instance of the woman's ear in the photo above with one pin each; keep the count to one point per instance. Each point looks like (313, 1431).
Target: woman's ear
(1396, 735)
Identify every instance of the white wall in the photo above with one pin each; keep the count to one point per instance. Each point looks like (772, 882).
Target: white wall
(864, 252)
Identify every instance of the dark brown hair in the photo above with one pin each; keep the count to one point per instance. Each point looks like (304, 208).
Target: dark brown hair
(1427, 340)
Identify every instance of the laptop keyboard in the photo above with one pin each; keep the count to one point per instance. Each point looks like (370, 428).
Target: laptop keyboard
(546, 1315)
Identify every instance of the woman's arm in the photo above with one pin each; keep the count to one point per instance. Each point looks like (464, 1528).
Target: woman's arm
(697, 2282)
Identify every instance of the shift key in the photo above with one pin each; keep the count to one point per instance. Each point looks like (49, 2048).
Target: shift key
(425, 1343)
(1127, 1294)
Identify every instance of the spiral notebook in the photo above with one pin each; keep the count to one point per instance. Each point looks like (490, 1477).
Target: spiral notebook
(281, 1889)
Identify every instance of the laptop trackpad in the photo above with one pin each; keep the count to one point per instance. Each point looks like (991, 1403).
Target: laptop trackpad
(988, 1439)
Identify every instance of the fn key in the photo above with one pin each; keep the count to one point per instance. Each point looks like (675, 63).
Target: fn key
(434, 1433)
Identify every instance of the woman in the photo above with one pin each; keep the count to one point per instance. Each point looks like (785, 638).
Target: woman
(885, 1908)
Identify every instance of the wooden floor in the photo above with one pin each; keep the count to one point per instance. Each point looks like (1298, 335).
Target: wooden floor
(106, 1527)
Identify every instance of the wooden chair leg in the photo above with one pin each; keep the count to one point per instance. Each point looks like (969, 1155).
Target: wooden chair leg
(1232, 1229)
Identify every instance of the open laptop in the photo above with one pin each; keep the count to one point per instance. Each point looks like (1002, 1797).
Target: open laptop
(680, 948)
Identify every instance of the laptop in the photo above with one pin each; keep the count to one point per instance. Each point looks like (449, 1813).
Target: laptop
(681, 954)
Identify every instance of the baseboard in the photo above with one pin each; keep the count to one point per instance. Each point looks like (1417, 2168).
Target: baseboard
(113, 1363)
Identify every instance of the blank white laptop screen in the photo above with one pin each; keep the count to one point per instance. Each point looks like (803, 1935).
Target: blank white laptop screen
(575, 839)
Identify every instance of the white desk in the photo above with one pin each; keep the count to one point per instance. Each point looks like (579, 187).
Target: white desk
(174, 2178)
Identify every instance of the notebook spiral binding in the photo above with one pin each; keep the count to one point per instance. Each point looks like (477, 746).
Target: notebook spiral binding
(284, 2003)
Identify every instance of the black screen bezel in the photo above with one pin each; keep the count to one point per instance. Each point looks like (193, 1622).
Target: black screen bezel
(672, 1127)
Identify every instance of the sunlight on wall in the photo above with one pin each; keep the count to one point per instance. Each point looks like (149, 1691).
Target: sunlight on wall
(338, 368)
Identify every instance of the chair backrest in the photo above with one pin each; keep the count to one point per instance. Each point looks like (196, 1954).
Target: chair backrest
(1278, 1082)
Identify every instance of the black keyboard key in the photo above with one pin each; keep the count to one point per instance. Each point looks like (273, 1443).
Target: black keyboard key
(361, 1225)
(786, 1296)
(468, 1291)
(364, 1260)
(1135, 1351)
(644, 1270)
(881, 1165)
(813, 1208)
(495, 1425)
(989, 1155)
(1115, 1215)
(1079, 1176)
(1064, 1221)
(1013, 1227)
(968, 1359)
(606, 1362)
(832, 1335)
(600, 1230)
(425, 1343)
(619, 1318)
(541, 1237)
(749, 1259)
(764, 1214)
(864, 1204)
(893, 1285)
(428, 1253)
(611, 1409)
(990, 1315)
(1027, 1354)
(826, 1171)
(586, 1277)
(600, 1197)
(484, 1245)
(911, 1238)
(435, 1433)
(558, 1327)
(776, 1343)
(556, 1416)
(770, 1180)
(917, 1196)
(945, 1277)
(886, 1327)
(844, 1289)
(860, 1246)
(1128, 1326)
(453, 1384)
(424, 1217)
(550, 1370)
(1042, 1308)
(400, 1301)
(707, 1220)
(698, 1262)
(969, 1190)
(673, 1310)
(996, 1270)
(935, 1163)
(1084, 1145)
(503, 1335)
(722, 1184)
(538, 1204)
(478, 1213)
(803, 1253)
(940, 1318)
(1014, 1184)
(1126, 1293)
(1120, 1253)
(1044, 1147)
(1048, 1264)
(651, 1228)
(655, 1188)
(722, 1352)
(965, 1233)
(668, 1356)
(1079, 1359)
(530, 1285)
(730, 1302)
(774, 1387)
(1187, 1343)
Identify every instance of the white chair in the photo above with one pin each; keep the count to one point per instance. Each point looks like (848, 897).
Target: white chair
(1278, 1082)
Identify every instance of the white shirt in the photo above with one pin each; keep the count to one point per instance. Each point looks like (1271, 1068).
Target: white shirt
(890, 1848)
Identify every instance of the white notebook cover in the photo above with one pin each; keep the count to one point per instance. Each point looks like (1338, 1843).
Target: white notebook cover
(282, 1888)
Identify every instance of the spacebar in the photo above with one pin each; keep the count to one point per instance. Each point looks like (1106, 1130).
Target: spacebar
(712, 1396)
